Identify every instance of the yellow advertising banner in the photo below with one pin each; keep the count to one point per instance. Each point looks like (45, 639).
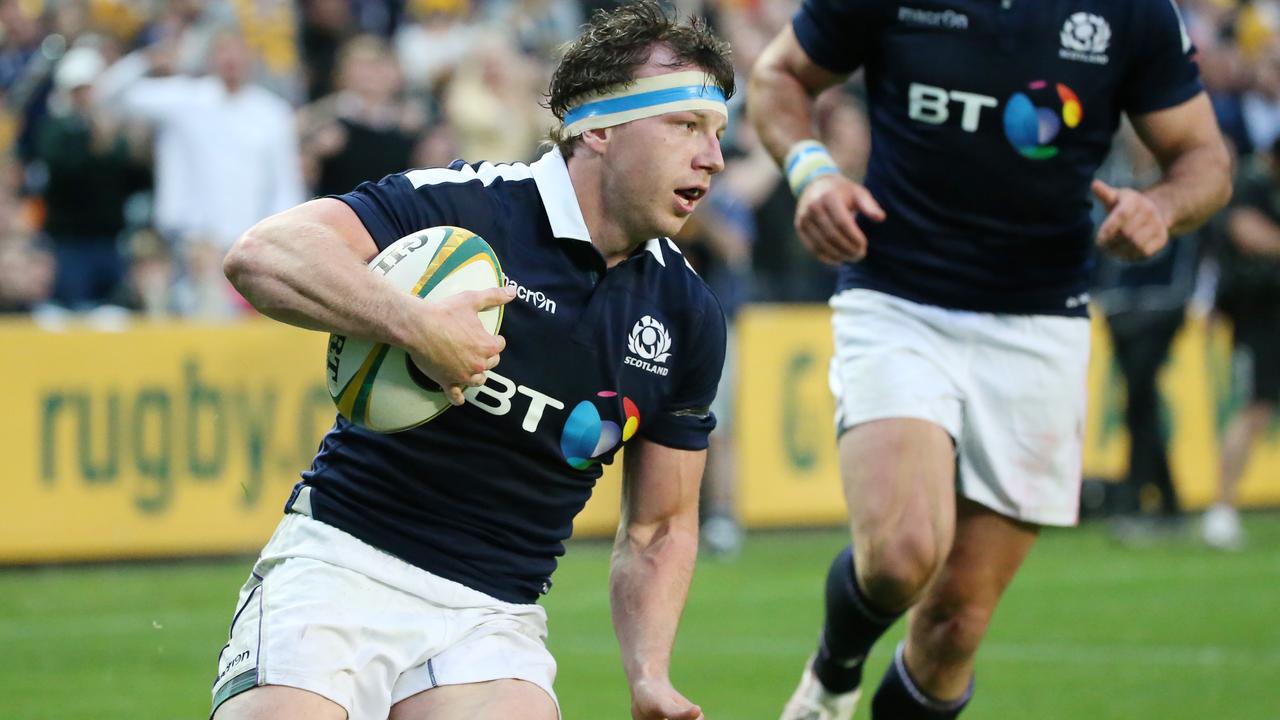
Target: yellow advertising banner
(181, 439)
(787, 455)
(785, 418)
(165, 439)
(160, 440)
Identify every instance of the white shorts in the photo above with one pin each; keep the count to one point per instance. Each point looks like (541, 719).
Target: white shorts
(325, 612)
(1009, 389)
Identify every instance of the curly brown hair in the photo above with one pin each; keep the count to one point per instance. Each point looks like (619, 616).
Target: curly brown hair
(617, 42)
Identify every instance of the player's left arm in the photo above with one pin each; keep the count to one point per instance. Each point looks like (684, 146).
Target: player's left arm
(653, 559)
(1195, 181)
(1195, 164)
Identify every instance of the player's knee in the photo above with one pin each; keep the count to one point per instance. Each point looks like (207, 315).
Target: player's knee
(953, 631)
(895, 574)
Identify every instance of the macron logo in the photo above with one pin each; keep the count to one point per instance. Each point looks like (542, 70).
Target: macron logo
(536, 298)
(949, 19)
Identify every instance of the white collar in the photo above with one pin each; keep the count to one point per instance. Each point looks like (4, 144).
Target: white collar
(551, 175)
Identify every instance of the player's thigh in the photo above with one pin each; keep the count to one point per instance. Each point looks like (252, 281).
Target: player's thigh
(898, 407)
(988, 550)
(899, 480)
(492, 700)
(278, 702)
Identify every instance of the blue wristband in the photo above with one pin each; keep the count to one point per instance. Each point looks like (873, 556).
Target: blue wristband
(807, 161)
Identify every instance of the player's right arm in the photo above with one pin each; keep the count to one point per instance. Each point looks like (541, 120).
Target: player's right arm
(784, 83)
(307, 266)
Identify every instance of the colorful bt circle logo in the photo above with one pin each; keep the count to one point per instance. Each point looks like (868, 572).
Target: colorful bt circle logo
(586, 436)
(1032, 119)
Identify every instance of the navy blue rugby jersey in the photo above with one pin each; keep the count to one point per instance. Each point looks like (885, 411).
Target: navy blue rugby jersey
(486, 493)
(988, 121)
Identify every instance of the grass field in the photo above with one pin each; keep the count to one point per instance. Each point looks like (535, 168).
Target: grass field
(1088, 631)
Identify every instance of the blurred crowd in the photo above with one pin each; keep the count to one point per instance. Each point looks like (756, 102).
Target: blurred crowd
(143, 136)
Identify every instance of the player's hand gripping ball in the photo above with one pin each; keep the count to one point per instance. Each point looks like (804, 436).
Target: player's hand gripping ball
(379, 386)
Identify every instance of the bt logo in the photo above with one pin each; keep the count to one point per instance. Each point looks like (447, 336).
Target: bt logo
(932, 105)
(495, 395)
(1032, 118)
(585, 436)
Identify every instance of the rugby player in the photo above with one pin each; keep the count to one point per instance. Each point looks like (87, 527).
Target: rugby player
(403, 580)
(960, 315)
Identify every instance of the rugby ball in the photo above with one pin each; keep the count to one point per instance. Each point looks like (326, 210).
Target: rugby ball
(378, 386)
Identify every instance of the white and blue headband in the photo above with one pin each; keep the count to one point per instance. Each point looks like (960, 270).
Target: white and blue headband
(645, 97)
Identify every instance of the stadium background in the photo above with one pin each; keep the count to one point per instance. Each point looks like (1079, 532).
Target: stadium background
(161, 420)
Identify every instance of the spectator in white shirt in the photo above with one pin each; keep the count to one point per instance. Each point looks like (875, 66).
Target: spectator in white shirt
(226, 151)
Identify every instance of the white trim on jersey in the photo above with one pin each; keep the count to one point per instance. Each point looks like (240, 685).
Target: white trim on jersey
(654, 248)
(486, 174)
(1182, 27)
(550, 175)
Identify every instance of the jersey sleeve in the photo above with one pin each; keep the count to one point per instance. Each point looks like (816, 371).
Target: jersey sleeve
(1162, 72)
(405, 203)
(686, 420)
(836, 34)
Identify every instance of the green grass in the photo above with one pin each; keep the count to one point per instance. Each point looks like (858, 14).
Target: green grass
(1087, 631)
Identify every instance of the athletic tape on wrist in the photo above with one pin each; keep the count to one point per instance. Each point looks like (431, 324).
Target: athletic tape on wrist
(806, 161)
(646, 97)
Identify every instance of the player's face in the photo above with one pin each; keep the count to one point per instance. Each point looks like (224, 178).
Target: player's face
(660, 168)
